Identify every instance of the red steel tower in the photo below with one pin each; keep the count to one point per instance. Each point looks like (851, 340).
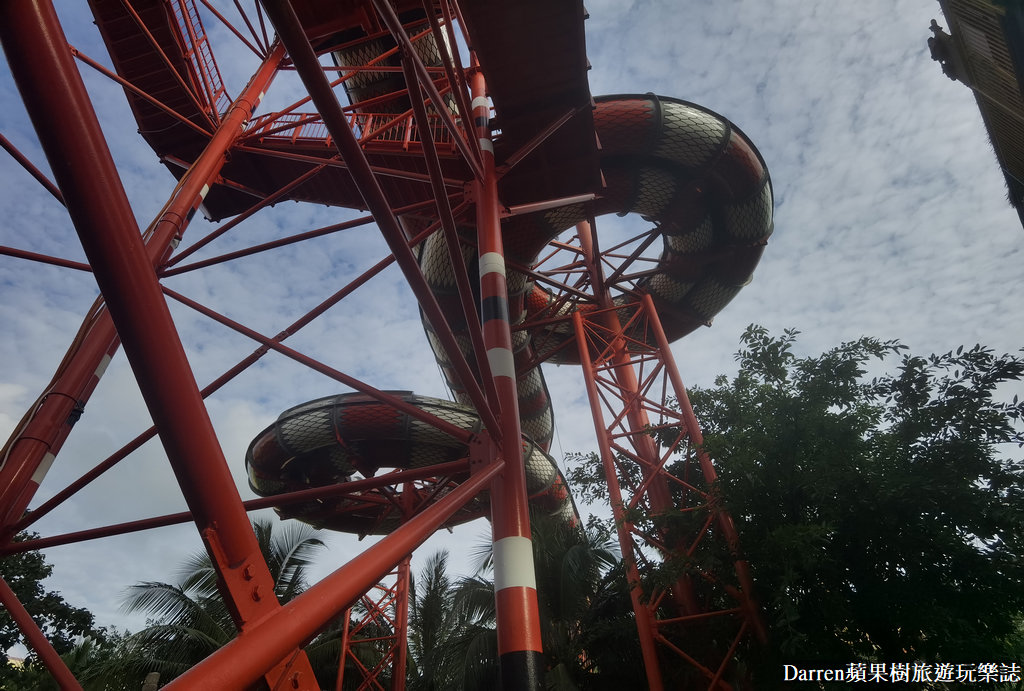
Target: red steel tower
(486, 169)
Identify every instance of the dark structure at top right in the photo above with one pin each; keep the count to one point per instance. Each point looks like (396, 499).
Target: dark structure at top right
(984, 49)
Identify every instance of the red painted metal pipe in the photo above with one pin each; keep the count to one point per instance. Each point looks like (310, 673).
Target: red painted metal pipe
(520, 651)
(37, 639)
(230, 667)
(401, 625)
(44, 259)
(32, 170)
(37, 50)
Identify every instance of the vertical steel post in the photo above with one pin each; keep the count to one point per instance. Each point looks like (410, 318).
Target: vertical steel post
(401, 625)
(617, 360)
(52, 87)
(515, 585)
(645, 625)
(343, 657)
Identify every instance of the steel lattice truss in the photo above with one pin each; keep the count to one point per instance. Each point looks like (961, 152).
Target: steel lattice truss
(472, 165)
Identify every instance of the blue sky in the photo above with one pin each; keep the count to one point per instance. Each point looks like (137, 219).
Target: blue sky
(891, 221)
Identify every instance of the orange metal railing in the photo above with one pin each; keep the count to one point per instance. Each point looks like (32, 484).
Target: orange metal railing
(393, 131)
(196, 49)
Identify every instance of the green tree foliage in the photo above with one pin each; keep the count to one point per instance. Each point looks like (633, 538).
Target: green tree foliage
(450, 630)
(62, 623)
(71, 630)
(882, 516)
(587, 630)
(87, 661)
(188, 619)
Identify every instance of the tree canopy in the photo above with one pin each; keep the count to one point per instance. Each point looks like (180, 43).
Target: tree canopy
(878, 498)
(64, 624)
(188, 619)
(882, 516)
(61, 622)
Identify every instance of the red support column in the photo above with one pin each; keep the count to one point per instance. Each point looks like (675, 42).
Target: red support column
(519, 638)
(628, 368)
(84, 170)
(644, 617)
(401, 625)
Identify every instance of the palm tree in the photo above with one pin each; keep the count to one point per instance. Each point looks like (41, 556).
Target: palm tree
(188, 620)
(435, 626)
(587, 629)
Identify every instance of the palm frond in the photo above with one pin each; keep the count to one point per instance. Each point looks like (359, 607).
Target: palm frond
(197, 575)
(291, 552)
(190, 620)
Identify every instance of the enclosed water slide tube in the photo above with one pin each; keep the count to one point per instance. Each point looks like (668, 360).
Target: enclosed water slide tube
(327, 441)
(414, 149)
(680, 166)
(685, 169)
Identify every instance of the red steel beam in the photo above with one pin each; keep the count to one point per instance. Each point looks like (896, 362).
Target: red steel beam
(37, 639)
(297, 497)
(299, 620)
(382, 396)
(32, 170)
(44, 259)
(290, 240)
(37, 50)
(520, 651)
(260, 52)
(156, 103)
(451, 235)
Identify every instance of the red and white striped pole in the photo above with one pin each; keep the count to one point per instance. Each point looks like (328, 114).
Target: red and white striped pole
(515, 585)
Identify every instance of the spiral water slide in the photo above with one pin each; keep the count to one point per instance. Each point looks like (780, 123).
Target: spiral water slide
(518, 155)
(683, 168)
